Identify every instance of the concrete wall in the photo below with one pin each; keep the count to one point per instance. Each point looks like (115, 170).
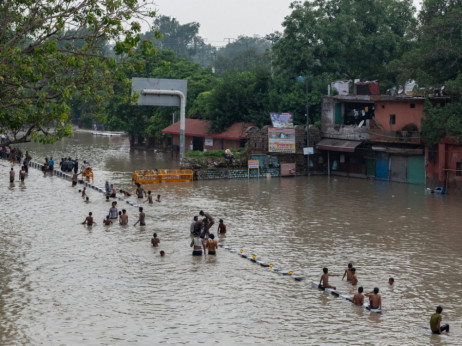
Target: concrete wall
(257, 144)
(218, 144)
(441, 171)
(405, 115)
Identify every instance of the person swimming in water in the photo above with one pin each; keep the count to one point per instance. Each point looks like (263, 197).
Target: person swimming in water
(155, 241)
(125, 193)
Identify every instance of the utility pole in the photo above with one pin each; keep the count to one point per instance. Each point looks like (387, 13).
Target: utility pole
(307, 123)
(272, 37)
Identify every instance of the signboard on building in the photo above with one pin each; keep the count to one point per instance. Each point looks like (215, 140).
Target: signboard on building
(282, 120)
(281, 140)
(253, 164)
(308, 151)
(209, 142)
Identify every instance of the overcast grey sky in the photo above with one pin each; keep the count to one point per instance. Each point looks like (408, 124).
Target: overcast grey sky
(221, 20)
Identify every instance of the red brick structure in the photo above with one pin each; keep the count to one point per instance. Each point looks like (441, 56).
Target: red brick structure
(198, 136)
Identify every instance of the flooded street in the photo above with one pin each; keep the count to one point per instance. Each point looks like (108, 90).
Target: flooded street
(62, 283)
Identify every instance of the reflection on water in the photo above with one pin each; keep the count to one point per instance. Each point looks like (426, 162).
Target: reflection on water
(64, 283)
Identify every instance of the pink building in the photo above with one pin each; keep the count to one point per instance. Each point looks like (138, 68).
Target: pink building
(397, 119)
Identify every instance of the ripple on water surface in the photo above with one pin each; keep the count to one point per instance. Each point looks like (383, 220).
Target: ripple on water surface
(64, 283)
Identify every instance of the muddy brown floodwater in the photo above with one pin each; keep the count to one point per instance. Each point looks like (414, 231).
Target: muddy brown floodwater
(62, 283)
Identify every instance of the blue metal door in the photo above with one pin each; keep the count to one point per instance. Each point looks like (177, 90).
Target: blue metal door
(381, 166)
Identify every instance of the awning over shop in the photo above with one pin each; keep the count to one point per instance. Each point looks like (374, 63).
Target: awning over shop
(402, 151)
(337, 145)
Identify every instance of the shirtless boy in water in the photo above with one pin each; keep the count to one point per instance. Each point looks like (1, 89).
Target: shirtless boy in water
(221, 227)
(75, 179)
(155, 241)
(348, 272)
(107, 221)
(140, 191)
(89, 220)
(358, 298)
(123, 218)
(149, 198)
(375, 299)
(354, 278)
(210, 221)
(325, 279)
(141, 218)
(125, 192)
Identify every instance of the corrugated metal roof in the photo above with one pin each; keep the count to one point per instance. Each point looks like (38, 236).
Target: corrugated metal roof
(337, 145)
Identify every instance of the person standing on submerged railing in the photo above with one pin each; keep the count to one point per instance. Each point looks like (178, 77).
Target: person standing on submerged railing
(435, 322)
(375, 299)
(325, 279)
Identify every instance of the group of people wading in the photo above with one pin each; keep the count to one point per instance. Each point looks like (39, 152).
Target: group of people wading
(24, 167)
(375, 299)
(203, 239)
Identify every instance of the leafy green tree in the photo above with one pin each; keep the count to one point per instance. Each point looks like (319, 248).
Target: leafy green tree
(183, 39)
(244, 54)
(239, 96)
(436, 54)
(42, 69)
(436, 59)
(345, 38)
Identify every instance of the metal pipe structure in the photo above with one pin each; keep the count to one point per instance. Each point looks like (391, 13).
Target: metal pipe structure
(182, 112)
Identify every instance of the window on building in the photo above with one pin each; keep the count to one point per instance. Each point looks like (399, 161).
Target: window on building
(392, 119)
(459, 169)
(412, 105)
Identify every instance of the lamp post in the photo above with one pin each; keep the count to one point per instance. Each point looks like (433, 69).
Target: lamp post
(307, 123)
(272, 37)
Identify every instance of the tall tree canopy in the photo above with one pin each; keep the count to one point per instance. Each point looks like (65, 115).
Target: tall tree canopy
(436, 56)
(51, 53)
(244, 54)
(437, 59)
(346, 38)
(183, 39)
